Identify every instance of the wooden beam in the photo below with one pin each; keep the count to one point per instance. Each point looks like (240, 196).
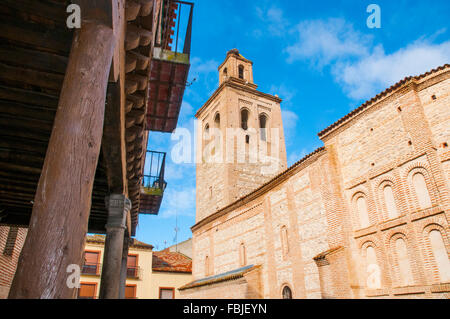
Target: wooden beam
(113, 141)
(28, 97)
(43, 61)
(62, 203)
(20, 75)
(56, 40)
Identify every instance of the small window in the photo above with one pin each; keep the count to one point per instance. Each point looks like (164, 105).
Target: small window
(217, 121)
(207, 268)
(244, 119)
(225, 71)
(287, 293)
(91, 264)
(130, 292)
(87, 291)
(420, 186)
(284, 241)
(206, 135)
(132, 266)
(166, 293)
(263, 127)
(242, 255)
(241, 71)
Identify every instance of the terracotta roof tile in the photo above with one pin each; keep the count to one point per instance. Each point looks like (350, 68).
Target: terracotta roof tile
(379, 96)
(171, 262)
(100, 239)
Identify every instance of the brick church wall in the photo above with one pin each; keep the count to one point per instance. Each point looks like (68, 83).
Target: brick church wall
(405, 131)
(8, 262)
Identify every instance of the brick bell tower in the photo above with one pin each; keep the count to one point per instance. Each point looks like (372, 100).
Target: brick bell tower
(240, 142)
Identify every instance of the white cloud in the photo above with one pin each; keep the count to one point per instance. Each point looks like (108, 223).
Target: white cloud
(289, 120)
(274, 22)
(361, 67)
(323, 41)
(205, 67)
(178, 202)
(284, 92)
(205, 74)
(373, 73)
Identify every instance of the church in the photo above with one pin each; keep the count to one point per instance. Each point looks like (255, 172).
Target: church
(364, 216)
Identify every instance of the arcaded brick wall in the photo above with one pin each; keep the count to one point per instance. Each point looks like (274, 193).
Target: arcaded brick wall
(405, 132)
(8, 264)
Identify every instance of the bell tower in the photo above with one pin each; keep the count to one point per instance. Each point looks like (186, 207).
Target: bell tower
(240, 142)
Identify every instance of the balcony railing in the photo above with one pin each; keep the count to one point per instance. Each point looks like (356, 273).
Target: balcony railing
(153, 183)
(133, 272)
(170, 65)
(91, 269)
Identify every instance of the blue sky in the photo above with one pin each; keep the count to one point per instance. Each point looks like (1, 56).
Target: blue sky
(318, 56)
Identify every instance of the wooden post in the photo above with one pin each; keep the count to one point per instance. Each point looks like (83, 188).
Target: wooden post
(118, 209)
(62, 202)
(124, 268)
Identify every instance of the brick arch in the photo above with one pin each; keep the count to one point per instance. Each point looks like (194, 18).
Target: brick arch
(286, 284)
(355, 212)
(432, 192)
(371, 241)
(393, 236)
(430, 263)
(392, 182)
(419, 164)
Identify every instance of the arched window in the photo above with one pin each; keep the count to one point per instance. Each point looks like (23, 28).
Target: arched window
(242, 255)
(390, 202)
(363, 215)
(284, 241)
(241, 71)
(207, 267)
(420, 186)
(404, 266)
(217, 121)
(244, 119)
(263, 127)
(225, 71)
(217, 135)
(206, 135)
(440, 255)
(287, 292)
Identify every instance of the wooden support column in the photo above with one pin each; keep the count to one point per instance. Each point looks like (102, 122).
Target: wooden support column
(62, 202)
(124, 268)
(118, 210)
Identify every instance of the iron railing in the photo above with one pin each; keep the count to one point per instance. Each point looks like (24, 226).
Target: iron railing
(133, 272)
(153, 181)
(91, 269)
(170, 18)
